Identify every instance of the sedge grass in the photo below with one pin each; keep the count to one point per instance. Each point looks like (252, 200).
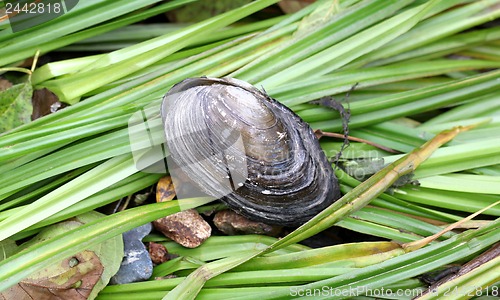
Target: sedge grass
(73, 147)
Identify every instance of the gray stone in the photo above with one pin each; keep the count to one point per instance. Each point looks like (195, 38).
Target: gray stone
(136, 264)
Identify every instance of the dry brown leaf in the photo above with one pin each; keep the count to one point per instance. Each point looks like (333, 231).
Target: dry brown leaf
(44, 102)
(165, 189)
(72, 279)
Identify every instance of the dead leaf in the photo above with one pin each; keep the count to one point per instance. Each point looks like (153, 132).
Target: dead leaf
(72, 279)
(44, 103)
(81, 276)
(165, 189)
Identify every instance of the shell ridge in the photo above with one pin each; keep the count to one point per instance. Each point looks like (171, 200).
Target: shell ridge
(247, 148)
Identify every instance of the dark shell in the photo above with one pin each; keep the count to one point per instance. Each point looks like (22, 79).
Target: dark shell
(247, 149)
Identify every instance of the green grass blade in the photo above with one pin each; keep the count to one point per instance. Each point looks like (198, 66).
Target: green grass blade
(104, 71)
(342, 53)
(22, 264)
(341, 25)
(79, 188)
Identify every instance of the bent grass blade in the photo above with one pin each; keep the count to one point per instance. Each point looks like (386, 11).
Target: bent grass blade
(351, 202)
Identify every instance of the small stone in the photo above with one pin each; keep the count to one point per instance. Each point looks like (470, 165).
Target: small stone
(136, 264)
(158, 253)
(232, 223)
(187, 228)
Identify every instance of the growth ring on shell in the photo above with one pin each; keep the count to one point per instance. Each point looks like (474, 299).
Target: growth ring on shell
(238, 144)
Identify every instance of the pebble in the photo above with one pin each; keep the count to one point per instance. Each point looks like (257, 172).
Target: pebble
(232, 223)
(158, 253)
(187, 228)
(136, 264)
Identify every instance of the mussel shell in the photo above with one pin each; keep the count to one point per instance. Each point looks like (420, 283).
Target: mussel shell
(256, 155)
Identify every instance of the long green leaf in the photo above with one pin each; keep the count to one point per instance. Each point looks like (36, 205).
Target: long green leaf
(351, 48)
(50, 251)
(74, 191)
(71, 88)
(349, 203)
